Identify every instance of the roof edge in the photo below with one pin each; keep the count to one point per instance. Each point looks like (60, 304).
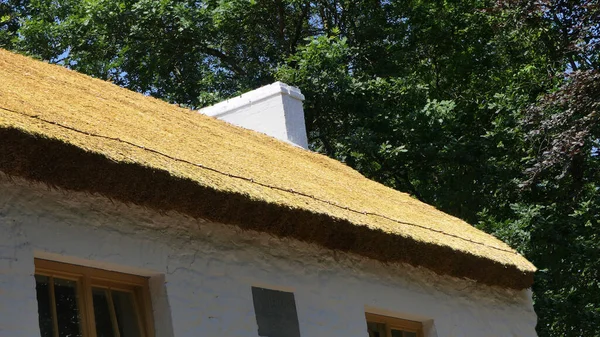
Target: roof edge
(66, 166)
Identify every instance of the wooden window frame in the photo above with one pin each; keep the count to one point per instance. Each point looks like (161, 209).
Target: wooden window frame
(88, 277)
(395, 323)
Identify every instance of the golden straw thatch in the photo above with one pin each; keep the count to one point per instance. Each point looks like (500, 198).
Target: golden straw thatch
(75, 132)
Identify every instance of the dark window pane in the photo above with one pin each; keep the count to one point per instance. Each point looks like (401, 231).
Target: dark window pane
(276, 314)
(42, 289)
(376, 329)
(396, 333)
(401, 333)
(102, 313)
(67, 313)
(126, 314)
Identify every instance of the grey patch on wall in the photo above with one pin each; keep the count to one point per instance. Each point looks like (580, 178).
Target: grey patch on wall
(276, 313)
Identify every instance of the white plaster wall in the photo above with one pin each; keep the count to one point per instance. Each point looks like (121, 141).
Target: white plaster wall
(275, 110)
(201, 273)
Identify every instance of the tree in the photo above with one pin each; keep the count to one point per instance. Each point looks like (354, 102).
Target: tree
(556, 217)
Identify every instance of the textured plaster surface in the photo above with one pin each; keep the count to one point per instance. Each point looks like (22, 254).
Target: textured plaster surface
(201, 273)
(275, 110)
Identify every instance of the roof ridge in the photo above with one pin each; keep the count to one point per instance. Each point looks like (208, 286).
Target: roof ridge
(251, 180)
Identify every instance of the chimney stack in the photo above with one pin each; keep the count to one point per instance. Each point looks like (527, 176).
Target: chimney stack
(275, 110)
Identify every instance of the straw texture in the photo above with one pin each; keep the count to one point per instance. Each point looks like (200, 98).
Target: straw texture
(75, 132)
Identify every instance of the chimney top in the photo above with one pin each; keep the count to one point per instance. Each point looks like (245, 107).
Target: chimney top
(275, 110)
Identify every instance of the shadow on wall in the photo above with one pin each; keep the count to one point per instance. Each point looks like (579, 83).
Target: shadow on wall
(163, 323)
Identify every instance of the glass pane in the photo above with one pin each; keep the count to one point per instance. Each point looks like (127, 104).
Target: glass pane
(401, 333)
(42, 289)
(67, 314)
(102, 313)
(376, 329)
(126, 313)
(396, 333)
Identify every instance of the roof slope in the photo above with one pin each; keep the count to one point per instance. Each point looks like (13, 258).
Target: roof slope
(80, 133)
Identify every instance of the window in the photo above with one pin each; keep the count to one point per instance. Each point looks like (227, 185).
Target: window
(276, 314)
(76, 301)
(384, 326)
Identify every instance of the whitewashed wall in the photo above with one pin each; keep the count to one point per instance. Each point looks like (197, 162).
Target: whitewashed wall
(275, 110)
(201, 282)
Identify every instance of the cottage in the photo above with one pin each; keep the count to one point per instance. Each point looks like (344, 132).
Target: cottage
(122, 215)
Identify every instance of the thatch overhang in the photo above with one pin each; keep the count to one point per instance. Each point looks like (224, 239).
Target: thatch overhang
(77, 133)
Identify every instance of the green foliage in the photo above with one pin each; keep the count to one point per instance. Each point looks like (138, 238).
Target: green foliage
(486, 109)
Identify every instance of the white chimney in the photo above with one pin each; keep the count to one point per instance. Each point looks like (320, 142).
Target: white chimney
(275, 109)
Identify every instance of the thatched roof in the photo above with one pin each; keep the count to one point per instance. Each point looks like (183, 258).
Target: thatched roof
(78, 133)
